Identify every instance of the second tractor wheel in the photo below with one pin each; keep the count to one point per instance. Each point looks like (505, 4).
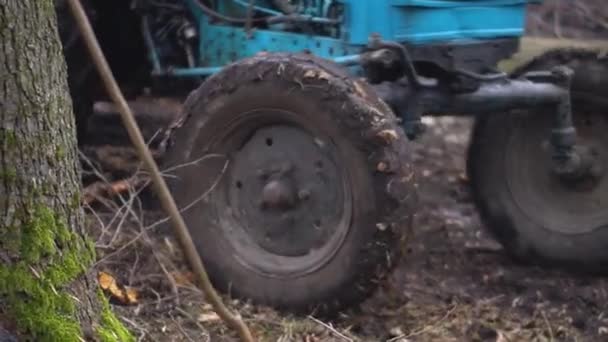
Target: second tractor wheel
(538, 216)
(295, 182)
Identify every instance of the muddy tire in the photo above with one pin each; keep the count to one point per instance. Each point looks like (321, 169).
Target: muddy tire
(311, 209)
(536, 216)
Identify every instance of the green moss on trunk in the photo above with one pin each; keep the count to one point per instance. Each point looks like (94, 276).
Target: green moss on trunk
(111, 330)
(33, 289)
(52, 256)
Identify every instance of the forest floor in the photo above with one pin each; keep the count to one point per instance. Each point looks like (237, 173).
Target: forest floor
(455, 283)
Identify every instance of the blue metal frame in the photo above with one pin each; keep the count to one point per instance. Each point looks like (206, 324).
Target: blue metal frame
(404, 21)
(427, 21)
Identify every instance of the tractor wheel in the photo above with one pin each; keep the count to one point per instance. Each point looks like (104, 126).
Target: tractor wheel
(314, 187)
(538, 217)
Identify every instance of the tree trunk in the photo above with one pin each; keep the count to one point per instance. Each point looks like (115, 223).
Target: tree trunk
(46, 290)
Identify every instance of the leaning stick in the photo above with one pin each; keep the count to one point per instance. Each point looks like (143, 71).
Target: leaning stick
(144, 154)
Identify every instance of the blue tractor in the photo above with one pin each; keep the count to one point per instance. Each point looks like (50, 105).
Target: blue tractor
(291, 160)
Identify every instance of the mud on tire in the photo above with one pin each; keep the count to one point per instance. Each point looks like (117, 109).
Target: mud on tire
(272, 119)
(538, 219)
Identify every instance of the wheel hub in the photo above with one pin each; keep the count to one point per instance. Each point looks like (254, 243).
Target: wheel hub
(278, 194)
(287, 193)
(572, 205)
(587, 170)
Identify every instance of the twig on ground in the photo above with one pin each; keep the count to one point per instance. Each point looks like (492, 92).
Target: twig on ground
(549, 328)
(189, 316)
(181, 329)
(98, 197)
(170, 278)
(120, 249)
(133, 267)
(143, 332)
(331, 329)
(100, 222)
(426, 328)
(166, 219)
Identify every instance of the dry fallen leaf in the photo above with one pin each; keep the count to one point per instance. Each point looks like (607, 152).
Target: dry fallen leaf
(183, 278)
(131, 295)
(106, 281)
(208, 317)
(124, 295)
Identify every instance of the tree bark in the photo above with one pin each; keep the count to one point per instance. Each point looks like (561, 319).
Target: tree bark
(47, 292)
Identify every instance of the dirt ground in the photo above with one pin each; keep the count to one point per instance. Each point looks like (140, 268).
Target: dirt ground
(455, 284)
(458, 285)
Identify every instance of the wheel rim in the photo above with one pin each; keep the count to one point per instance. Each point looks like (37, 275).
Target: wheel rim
(545, 198)
(284, 204)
